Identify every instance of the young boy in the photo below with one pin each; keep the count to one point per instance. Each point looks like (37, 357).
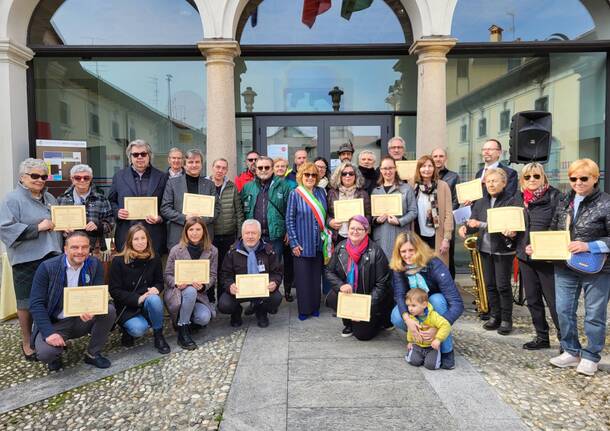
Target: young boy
(425, 353)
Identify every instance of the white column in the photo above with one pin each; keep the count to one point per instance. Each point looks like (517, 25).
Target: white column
(431, 92)
(221, 140)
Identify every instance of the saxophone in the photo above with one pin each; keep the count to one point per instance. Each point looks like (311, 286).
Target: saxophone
(476, 273)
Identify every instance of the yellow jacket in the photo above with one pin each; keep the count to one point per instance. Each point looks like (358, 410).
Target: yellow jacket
(430, 319)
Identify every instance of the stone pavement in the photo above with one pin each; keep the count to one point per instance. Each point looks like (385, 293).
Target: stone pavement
(297, 375)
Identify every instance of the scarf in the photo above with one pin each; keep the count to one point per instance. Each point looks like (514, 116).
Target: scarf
(323, 183)
(432, 219)
(195, 250)
(529, 196)
(252, 261)
(355, 253)
(415, 278)
(347, 192)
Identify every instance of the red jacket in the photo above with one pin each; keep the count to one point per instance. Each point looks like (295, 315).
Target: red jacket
(244, 178)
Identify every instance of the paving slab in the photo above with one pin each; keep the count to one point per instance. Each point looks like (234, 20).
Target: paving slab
(321, 369)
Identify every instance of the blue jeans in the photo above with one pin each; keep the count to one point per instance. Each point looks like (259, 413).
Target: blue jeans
(152, 311)
(439, 303)
(596, 287)
(191, 310)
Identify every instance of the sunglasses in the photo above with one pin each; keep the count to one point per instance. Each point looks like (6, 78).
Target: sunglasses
(252, 160)
(347, 174)
(137, 155)
(582, 179)
(263, 168)
(310, 175)
(79, 178)
(42, 177)
(536, 177)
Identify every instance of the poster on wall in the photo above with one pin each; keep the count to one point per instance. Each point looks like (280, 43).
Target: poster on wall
(275, 151)
(60, 156)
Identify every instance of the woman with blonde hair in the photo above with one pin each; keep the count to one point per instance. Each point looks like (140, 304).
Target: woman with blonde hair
(414, 265)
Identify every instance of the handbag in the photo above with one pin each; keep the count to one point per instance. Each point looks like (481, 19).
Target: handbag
(585, 262)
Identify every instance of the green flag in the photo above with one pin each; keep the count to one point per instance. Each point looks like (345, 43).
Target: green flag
(350, 6)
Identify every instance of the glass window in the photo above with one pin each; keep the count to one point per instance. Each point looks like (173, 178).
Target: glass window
(279, 22)
(112, 102)
(303, 85)
(111, 22)
(406, 128)
(504, 120)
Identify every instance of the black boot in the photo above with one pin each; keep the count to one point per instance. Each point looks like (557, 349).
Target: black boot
(506, 327)
(184, 338)
(492, 323)
(261, 318)
(537, 344)
(160, 343)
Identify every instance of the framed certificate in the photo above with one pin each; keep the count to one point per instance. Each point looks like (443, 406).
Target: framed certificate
(406, 169)
(201, 205)
(346, 209)
(141, 207)
(252, 286)
(354, 306)
(550, 245)
(469, 191)
(86, 299)
(505, 218)
(69, 217)
(390, 204)
(188, 271)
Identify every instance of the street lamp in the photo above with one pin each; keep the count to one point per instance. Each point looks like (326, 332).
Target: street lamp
(335, 95)
(249, 96)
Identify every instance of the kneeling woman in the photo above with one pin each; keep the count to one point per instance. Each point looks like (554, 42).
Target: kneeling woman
(188, 303)
(413, 266)
(360, 266)
(135, 282)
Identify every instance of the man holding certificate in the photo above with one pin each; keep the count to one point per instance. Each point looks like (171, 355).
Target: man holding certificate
(252, 257)
(52, 328)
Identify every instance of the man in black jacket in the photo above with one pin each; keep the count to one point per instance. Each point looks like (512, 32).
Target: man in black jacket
(491, 152)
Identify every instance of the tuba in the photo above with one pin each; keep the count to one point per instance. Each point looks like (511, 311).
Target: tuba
(476, 273)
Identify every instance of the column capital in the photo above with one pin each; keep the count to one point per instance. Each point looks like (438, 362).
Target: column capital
(432, 48)
(13, 53)
(219, 50)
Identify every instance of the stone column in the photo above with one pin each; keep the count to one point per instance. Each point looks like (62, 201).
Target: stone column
(221, 140)
(431, 92)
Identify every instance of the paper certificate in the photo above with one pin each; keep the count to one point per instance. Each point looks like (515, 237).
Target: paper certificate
(188, 271)
(69, 217)
(252, 285)
(87, 299)
(550, 245)
(406, 169)
(200, 205)
(390, 204)
(469, 191)
(346, 209)
(505, 218)
(354, 306)
(141, 207)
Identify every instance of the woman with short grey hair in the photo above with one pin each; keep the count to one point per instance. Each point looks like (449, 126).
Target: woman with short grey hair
(27, 232)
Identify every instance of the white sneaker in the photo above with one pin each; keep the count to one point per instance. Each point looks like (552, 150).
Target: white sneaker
(587, 367)
(565, 360)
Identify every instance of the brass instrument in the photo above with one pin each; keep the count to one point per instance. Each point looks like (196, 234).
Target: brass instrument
(476, 273)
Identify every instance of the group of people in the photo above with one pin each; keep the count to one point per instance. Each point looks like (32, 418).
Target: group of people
(280, 220)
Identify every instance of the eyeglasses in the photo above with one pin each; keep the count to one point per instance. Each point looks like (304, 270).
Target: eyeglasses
(42, 177)
(310, 175)
(252, 160)
(392, 168)
(491, 149)
(573, 179)
(348, 174)
(357, 229)
(263, 168)
(138, 155)
(536, 177)
(81, 178)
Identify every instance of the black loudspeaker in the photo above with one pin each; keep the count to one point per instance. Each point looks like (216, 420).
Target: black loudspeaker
(530, 137)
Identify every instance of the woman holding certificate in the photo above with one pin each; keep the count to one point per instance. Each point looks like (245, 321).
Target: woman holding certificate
(188, 303)
(434, 223)
(346, 183)
(136, 281)
(310, 239)
(497, 251)
(389, 221)
(585, 213)
(27, 232)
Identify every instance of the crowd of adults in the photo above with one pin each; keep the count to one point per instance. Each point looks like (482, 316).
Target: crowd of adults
(280, 220)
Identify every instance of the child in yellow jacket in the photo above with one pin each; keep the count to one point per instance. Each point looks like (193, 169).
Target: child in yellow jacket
(425, 353)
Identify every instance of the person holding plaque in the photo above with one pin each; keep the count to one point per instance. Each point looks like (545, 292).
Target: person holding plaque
(52, 328)
(586, 214)
(360, 266)
(139, 179)
(346, 183)
(188, 303)
(539, 200)
(387, 226)
(434, 223)
(136, 282)
(27, 232)
(497, 251)
(250, 255)
(192, 182)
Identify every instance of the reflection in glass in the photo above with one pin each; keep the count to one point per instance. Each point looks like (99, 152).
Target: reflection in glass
(361, 137)
(245, 143)
(283, 141)
(405, 127)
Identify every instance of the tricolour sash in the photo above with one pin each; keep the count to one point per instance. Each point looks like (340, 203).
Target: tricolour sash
(320, 214)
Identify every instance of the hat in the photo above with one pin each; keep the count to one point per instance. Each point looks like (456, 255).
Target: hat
(346, 147)
(362, 220)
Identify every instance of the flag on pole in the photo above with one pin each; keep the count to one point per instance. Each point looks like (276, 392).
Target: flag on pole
(313, 8)
(350, 6)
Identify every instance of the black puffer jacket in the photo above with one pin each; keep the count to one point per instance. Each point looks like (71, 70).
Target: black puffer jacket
(538, 217)
(592, 222)
(499, 242)
(373, 272)
(451, 178)
(236, 262)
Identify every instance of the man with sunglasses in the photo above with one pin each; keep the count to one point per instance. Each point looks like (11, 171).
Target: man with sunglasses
(491, 153)
(250, 173)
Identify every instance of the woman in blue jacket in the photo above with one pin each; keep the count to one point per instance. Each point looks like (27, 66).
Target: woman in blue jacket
(414, 265)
